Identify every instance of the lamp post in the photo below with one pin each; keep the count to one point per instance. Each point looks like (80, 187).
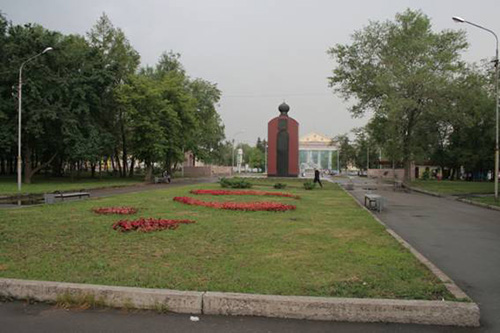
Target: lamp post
(495, 174)
(20, 101)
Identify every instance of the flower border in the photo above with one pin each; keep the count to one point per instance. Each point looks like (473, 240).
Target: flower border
(115, 210)
(149, 224)
(243, 206)
(244, 192)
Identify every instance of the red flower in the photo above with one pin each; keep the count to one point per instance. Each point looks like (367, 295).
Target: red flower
(115, 210)
(244, 192)
(149, 224)
(245, 206)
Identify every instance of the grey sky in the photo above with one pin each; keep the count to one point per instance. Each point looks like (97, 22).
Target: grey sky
(259, 52)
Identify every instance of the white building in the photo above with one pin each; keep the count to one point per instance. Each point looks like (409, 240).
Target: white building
(317, 151)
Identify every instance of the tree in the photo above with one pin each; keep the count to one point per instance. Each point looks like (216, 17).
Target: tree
(210, 130)
(401, 71)
(119, 61)
(346, 152)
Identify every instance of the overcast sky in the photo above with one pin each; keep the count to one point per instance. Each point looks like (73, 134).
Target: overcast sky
(258, 52)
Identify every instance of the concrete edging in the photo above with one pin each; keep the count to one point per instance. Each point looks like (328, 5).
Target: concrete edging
(478, 204)
(219, 303)
(342, 309)
(112, 296)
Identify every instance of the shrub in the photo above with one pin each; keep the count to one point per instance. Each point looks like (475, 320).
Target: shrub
(279, 186)
(235, 183)
(309, 185)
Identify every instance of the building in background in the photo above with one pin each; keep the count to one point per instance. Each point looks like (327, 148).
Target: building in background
(316, 151)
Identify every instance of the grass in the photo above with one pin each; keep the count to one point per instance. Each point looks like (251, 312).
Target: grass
(327, 247)
(454, 187)
(8, 185)
(486, 200)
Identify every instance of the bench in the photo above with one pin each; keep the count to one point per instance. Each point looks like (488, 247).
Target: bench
(159, 180)
(50, 198)
(398, 185)
(374, 202)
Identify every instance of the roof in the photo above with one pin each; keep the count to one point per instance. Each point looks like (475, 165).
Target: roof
(314, 137)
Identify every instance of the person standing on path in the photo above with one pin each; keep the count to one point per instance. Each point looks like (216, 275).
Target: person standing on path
(316, 177)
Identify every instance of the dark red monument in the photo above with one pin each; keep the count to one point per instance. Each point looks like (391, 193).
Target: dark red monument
(283, 145)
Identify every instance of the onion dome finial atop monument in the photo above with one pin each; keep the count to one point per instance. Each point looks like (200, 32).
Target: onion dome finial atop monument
(284, 108)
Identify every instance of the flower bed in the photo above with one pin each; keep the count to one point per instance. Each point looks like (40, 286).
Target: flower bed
(150, 224)
(244, 192)
(115, 210)
(245, 206)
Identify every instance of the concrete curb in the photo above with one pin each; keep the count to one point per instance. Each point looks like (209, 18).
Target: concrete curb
(218, 303)
(419, 190)
(479, 204)
(142, 298)
(342, 309)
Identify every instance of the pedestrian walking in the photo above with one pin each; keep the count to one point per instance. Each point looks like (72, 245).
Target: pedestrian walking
(316, 177)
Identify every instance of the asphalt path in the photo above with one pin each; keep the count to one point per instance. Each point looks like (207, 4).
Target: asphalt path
(462, 240)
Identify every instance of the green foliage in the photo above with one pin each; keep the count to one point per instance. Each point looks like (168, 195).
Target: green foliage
(403, 72)
(87, 102)
(235, 183)
(279, 186)
(309, 185)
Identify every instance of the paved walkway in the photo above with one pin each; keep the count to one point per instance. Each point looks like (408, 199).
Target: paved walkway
(461, 239)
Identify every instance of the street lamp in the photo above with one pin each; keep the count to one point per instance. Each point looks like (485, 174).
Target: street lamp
(20, 94)
(495, 174)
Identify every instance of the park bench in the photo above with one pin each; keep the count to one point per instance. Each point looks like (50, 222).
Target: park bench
(159, 180)
(398, 185)
(374, 201)
(50, 198)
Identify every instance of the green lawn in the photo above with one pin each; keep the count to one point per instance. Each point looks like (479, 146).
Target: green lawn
(454, 187)
(329, 246)
(486, 200)
(8, 185)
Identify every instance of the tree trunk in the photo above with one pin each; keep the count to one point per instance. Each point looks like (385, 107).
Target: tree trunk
(149, 173)
(92, 169)
(100, 168)
(117, 157)
(27, 165)
(112, 158)
(124, 150)
(132, 165)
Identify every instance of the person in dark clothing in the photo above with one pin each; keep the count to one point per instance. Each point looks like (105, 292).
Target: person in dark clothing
(316, 177)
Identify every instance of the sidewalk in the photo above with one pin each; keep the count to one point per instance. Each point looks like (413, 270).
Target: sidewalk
(461, 239)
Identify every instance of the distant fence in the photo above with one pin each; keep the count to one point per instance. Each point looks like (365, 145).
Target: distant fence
(207, 171)
(386, 173)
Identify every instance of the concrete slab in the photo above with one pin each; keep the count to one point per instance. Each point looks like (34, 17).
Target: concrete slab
(342, 309)
(140, 298)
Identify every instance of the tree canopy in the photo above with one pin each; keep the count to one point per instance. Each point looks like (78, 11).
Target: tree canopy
(90, 103)
(405, 74)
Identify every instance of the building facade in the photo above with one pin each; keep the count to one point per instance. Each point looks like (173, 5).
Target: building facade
(317, 151)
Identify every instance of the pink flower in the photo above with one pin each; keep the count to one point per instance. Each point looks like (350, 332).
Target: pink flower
(149, 224)
(245, 206)
(115, 210)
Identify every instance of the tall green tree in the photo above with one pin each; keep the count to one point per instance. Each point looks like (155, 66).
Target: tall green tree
(119, 60)
(400, 70)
